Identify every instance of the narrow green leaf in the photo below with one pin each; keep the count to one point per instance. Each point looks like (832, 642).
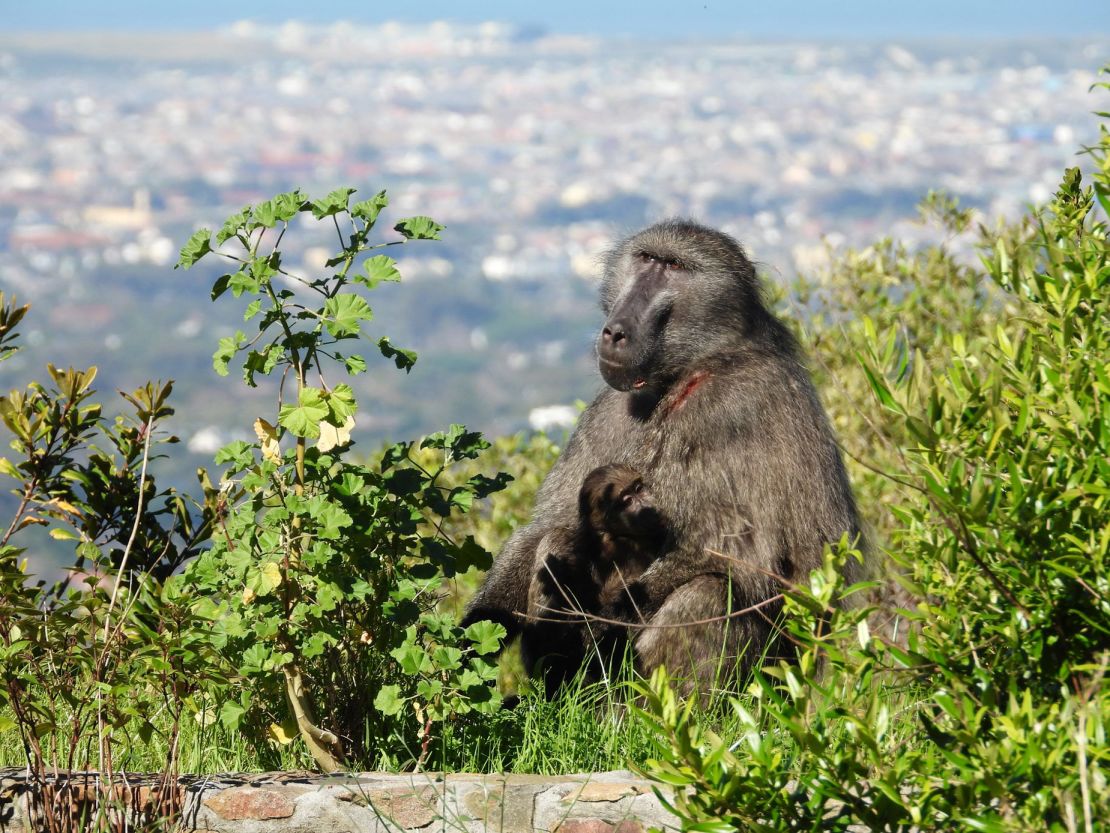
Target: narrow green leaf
(880, 389)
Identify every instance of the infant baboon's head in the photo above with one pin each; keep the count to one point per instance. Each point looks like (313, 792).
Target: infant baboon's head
(614, 499)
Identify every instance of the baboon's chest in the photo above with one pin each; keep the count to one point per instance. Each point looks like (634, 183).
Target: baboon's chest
(693, 470)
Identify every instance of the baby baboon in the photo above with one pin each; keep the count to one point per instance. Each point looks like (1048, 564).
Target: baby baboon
(586, 572)
(709, 398)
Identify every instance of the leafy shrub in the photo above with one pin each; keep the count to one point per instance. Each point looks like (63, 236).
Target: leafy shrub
(989, 712)
(324, 574)
(111, 649)
(916, 298)
(526, 458)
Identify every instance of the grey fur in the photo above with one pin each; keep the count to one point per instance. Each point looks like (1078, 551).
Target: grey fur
(716, 407)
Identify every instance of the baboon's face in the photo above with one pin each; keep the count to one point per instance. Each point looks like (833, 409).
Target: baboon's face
(632, 337)
(672, 294)
(617, 501)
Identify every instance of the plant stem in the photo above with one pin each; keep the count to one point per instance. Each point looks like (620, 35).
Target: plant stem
(325, 747)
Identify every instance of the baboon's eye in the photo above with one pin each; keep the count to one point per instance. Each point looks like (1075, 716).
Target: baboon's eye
(631, 492)
(667, 262)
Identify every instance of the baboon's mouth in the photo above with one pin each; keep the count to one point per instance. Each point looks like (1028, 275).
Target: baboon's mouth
(625, 374)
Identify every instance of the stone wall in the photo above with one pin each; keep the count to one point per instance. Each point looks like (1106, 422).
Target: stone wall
(608, 802)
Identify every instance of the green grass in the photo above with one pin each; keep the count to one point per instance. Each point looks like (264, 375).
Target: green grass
(585, 729)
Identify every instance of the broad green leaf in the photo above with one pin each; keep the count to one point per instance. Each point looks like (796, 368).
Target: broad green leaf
(333, 203)
(369, 210)
(411, 658)
(389, 700)
(231, 714)
(279, 209)
(486, 636)
(331, 519)
(233, 224)
(471, 554)
(243, 281)
(261, 362)
(269, 577)
(195, 248)
(462, 498)
(303, 419)
(341, 403)
(225, 352)
(483, 486)
(354, 364)
(350, 484)
(378, 269)
(419, 228)
(404, 359)
(343, 314)
(265, 213)
(317, 643)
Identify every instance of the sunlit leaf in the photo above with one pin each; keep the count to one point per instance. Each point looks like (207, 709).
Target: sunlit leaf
(268, 440)
(332, 437)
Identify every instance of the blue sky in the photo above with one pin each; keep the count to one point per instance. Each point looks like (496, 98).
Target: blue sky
(639, 18)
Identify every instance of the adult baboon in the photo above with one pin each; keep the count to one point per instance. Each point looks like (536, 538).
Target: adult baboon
(585, 576)
(710, 399)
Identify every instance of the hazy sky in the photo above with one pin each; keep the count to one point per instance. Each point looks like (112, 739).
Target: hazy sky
(642, 18)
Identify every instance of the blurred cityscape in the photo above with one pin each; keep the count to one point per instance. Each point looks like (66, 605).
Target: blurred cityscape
(534, 150)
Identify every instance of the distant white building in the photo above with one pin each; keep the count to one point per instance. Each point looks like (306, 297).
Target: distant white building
(547, 418)
(207, 440)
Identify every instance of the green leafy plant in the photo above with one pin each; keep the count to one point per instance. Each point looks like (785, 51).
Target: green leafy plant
(10, 316)
(324, 574)
(109, 650)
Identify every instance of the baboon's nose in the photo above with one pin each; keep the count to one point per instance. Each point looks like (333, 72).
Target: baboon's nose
(613, 337)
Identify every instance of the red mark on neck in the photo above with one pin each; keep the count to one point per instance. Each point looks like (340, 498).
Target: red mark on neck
(686, 390)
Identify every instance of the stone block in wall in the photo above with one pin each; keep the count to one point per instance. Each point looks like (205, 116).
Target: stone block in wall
(608, 802)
